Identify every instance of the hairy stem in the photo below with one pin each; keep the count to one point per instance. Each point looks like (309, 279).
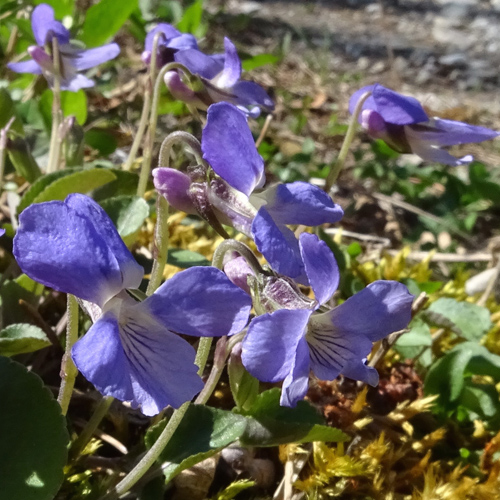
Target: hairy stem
(161, 245)
(55, 143)
(68, 368)
(344, 150)
(89, 429)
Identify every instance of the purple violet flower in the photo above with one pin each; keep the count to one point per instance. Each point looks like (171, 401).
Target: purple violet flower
(72, 57)
(403, 124)
(171, 41)
(228, 147)
(219, 79)
(292, 341)
(132, 351)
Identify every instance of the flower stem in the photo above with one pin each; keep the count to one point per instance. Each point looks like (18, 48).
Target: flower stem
(68, 368)
(55, 143)
(240, 248)
(179, 137)
(150, 457)
(161, 245)
(202, 354)
(153, 118)
(344, 150)
(3, 148)
(89, 429)
(146, 107)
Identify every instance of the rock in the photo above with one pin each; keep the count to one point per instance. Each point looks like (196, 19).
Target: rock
(456, 60)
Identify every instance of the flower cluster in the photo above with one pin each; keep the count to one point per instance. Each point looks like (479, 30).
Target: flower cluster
(133, 351)
(72, 58)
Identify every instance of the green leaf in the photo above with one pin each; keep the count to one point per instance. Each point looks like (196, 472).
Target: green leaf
(102, 140)
(77, 182)
(22, 159)
(186, 258)
(480, 399)
(104, 19)
(7, 111)
(258, 61)
(40, 184)
(21, 338)
(61, 7)
(12, 295)
(33, 448)
(471, 321)
(234, 489)
(124, 184)
(446, 377)
(244, 387)
(270, 424)
(191, 20)
(127, 213)
(412, 343)
(72, 103)
(202, 432)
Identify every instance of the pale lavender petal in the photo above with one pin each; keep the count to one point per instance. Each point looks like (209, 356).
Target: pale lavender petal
(431, 152)
(279, 246)
(376, 311)
(396, 108)
(43, 23)
(200, 301)
(232, 66)
(62, 249)
(76, 82)
(301, 203)
(238, 271)
(41, 58)
(296, 383)
(161, 364)
(332, 349)
(179, 89)
(199, 63)
(450, 132)
(168, 32)
(92, 57)
(183, 42)
(369, 104)
(321, 267)
(25, 67)
(228, 146)
(99, 356)
(131, 272)
(357, 370)
(269, 347)
(250, 93)
(174, 186)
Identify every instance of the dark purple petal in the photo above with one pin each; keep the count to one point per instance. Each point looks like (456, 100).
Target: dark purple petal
(200, 301)
(332, 349)
(41, 58)
(297, 382)
(60, 248)
(168, 32)
(270, 346)
(43, 23)
(357, 370)
(379, 309)
(92, 57)
(396, 108)
(99, 356)
(449, 132)
(301, 203)
(30, 66)
(199, 63)
(174, 186)
(232, 66)
(279, 246)
(228, 146)
(321, 267)
(132, 273)
(250, 93)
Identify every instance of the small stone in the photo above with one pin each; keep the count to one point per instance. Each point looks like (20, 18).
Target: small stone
(456, 60)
